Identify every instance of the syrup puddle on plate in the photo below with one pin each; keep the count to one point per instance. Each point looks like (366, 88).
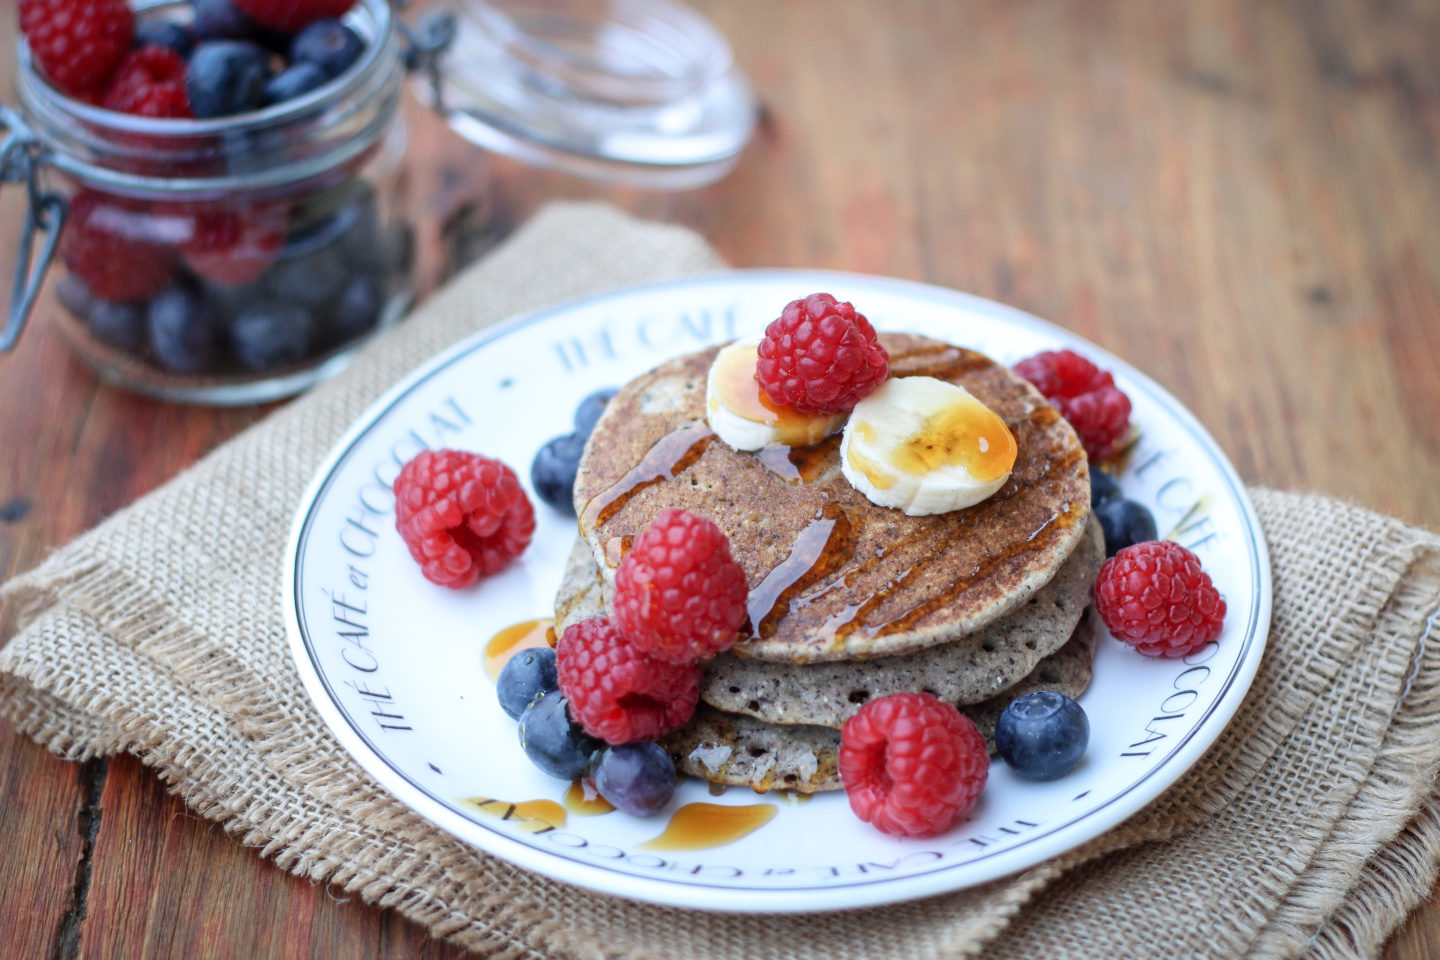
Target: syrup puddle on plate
(702, 826)
(531, 816)
(583, 799)
(513, 639)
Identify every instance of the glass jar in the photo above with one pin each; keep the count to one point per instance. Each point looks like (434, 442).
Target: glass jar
(224, 261)
(241, 259)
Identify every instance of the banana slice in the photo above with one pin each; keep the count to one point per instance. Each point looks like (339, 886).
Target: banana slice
(742, 416)
(926, 446)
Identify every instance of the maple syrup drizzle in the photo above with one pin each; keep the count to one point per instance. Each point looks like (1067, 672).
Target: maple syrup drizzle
(671, 456)
(822, 547)
(583, 799)
(514, 638)
(968, 434)
(735, 384)
(703, 826)
(531, 816)
(616, 548)
(797, 465)
(859, 615)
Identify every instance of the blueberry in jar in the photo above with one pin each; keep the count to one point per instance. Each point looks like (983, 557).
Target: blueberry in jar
(227, 77)
(313, 279)
(294, 81)
(164, 33)
(183, 330)
(638, 778)
(221, 20)
(552, 472)
(269, 335)
(526, 676)
(1125, 524)
(1042, 735)
(552, 740)
(587, 414)
(75, 296)
(358, 309)
(120, 325)
(327, 44)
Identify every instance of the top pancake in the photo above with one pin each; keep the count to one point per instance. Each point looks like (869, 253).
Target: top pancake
(833, 576)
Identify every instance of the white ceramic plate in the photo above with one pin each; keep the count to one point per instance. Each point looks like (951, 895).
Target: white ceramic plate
(393, 663)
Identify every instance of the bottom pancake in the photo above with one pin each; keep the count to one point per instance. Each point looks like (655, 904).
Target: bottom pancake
(732, 748)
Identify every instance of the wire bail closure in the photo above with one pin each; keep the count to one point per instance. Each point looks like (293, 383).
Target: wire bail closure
(21, 158)
(425, 42)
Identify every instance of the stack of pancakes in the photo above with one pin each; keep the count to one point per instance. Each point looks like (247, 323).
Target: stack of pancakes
(849, 601)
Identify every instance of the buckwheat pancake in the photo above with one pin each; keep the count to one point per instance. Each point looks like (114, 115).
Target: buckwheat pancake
(738, 750)
(967, 670)
(832, 576)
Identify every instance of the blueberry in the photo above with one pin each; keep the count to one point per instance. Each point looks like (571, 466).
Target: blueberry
(553, 741)
(1125, 523)
(1102, 487)
(164, 33)
(183, 330)
(312, 279)
(226, 77)
(118, 324)
(271, 335)
(1042, 735)
(329, 45)
(358, 309)
(364, 240)
(588, 413)
(222, 20)
(528, 674)
(295, 81)
(638, 778)
(75, 296)
(552, 472)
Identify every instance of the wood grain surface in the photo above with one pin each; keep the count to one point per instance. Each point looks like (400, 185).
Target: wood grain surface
(1240, 198)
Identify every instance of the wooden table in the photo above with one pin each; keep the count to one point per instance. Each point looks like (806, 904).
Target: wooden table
(1240, 198)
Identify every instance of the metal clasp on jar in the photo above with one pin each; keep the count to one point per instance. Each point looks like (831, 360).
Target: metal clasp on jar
(21, 158)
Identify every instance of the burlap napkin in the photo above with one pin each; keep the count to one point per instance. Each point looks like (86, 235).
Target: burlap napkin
(1311, 829)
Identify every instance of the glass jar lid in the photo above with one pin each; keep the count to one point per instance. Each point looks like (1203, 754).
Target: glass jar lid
(640, 92)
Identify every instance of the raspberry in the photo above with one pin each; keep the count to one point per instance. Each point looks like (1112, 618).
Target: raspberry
(912, 764)
(150, 82)
(820, 357)
(462, 515)
(111, 244)
(678, 594)
(1155, 597)
(1084, 394)
(78, 43)
(618, 692)
(288, 16)
(234, 245)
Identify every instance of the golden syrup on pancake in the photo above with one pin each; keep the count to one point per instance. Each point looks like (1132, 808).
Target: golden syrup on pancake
(967, 434)
(875, 614)
(616, 548)
(514, 638)
(583, 799)
(825, 543)
(799, 464)
(531, 816)
(671, 456)
(738, 389)
(831, 577)
(701, 826)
